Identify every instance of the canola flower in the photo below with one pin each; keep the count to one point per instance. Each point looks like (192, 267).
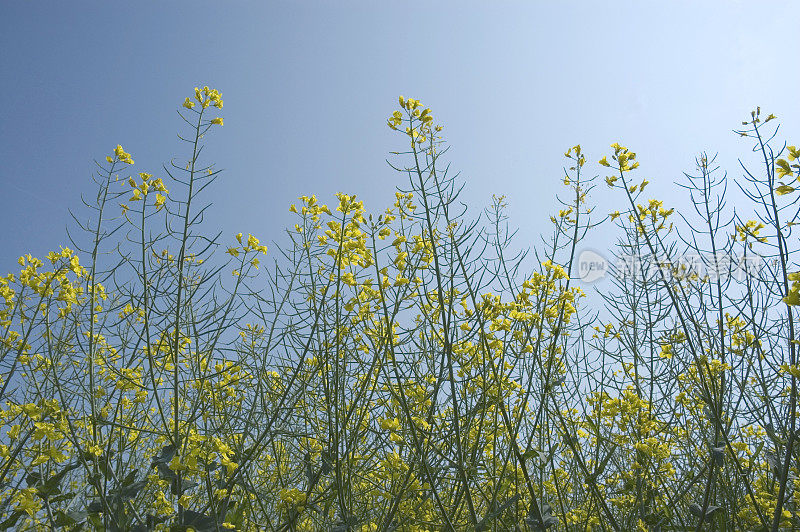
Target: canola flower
(393, 368)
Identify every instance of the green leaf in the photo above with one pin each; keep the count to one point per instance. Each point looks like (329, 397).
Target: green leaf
(166, 455)
(485, 523)
(70, 517)
(130, 491)
(530, 454)
(548, 519)
(165, 472)
(199, 522)
(12, 520)
(602, 465)
(47, 488)
(697, 510)
(718, 453)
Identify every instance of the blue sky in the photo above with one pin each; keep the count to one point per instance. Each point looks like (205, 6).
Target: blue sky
(308, 86)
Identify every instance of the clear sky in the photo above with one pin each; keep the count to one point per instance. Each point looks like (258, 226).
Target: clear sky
(308, 86)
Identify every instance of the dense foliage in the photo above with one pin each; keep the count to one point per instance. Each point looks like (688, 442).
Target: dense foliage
(401, 369)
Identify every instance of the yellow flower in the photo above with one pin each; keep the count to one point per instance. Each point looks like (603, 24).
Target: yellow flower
(122, 155)
(666, 352)
(293, 497)
(793, 299)
(175, 464)
(783, 168)
(217, 121)
(188, 103)
(390, 424)
(792, 370)
(27, 502)
(96, 450)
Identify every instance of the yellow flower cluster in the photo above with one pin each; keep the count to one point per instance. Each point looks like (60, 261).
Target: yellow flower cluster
(655, 213)
(787, 167)
(120, 155)
(205, 97)
(625, 162)
(402, 374)
(420, 126)
(793, 297)
(751, 228)
(252, 244)
(293, 498)
(140, 190)
(578, 157)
